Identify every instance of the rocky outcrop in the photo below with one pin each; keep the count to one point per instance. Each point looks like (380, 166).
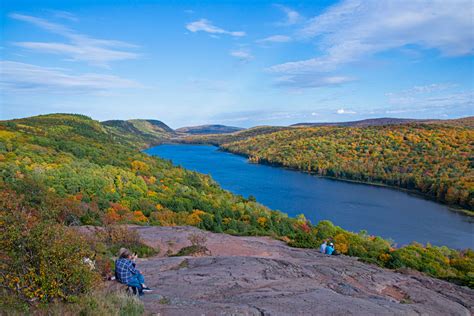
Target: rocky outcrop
(262, 276)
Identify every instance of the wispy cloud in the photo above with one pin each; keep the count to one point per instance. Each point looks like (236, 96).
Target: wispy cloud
(204, 25)
(432, 95)
(344, 111)
(98, 52)
(256, 116)
(20, 77)
(353, 30)
(65, 15)
(311, 81)
(242, 54)
(429, 88)
(431, 100)
(274, 39)
(292, 16)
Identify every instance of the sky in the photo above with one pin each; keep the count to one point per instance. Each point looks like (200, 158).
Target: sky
(239, 63)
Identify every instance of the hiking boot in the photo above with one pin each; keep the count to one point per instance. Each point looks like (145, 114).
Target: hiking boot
(147, 289)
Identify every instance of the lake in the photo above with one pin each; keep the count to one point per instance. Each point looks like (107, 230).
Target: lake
(381, 211)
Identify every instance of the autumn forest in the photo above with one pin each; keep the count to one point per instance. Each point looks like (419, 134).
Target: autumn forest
(61, 171)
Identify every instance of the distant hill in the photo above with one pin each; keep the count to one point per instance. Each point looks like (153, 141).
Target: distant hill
(209, 129)
(464, 121)
(467, 121)
(363, 123)
(218, 139)
(152, 126)
(143, 132)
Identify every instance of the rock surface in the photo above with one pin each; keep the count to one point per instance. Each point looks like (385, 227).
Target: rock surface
(262, 276)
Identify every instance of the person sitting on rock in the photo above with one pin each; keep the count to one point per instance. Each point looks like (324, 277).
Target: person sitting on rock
(126, 272)
(330, 249)
(323, 246)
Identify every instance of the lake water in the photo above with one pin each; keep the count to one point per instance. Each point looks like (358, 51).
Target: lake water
(381, 211)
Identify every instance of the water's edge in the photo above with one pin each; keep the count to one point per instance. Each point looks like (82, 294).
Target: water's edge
(452, 208)
(390, 212)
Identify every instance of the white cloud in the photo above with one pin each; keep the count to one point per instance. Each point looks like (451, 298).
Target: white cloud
(98, 52)
(434, 87)
(311, 80)
(20, 77)
(413, 94)
(242, 54)
(65, 15)
(353, 30)
(432, 99)
(343, 111)
(257, 116)
(204, 25)
(448, 99)
(292, 16)
(275, 39)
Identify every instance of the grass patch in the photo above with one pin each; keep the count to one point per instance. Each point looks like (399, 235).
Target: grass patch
(164, 301)
(191, 251)
(96, 303)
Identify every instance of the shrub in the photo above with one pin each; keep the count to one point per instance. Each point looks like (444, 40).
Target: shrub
(197, 247)
(193, 250)
(197, 239)
(116, 237)
(304, 240)
(40, 260)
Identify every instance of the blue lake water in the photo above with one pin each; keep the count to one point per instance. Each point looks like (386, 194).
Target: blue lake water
(381, 211)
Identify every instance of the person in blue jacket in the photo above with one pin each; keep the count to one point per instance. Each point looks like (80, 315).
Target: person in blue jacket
(330, 249)
(126, 273)
(322, 248)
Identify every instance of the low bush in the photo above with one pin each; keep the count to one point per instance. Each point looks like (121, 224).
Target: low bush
(197, 248)
(40, 260)
(116, 237)
(192, 250)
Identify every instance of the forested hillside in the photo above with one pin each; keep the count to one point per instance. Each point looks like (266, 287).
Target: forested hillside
(76, 158)
(226, 138)
(363, 123)
(436, 160)
(67, 170)
(139, 133)
(208, 129)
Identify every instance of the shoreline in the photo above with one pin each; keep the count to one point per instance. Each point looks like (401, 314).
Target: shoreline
(452, 208)
(464, 216)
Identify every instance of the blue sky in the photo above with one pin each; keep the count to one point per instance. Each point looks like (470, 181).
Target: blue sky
(241, 63)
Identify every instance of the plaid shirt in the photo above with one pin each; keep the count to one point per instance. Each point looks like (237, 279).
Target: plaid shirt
(125, 270)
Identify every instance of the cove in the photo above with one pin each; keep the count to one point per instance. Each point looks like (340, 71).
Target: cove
(381, 211)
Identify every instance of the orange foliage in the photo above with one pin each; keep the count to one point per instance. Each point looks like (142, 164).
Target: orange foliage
(342, 244)
(262, 221)
(139, 217)
(111, 216)
(194, 218)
